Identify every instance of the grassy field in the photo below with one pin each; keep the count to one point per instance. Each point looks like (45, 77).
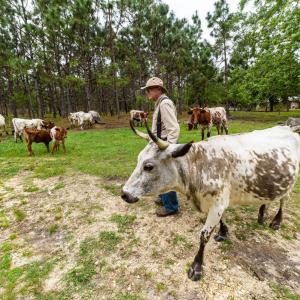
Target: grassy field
(61, 214)
(110, 153)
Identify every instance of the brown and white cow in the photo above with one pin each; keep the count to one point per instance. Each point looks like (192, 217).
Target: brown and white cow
(58, 135)
(33, 135)
(138, 117)
(207, 117)
(257, 167)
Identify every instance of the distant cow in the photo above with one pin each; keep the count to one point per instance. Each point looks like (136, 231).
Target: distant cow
(207, 117)
(58, 135)
(138, 117)
(2, 125)
(75, 117)
(258, 167)
(96, 116)
(37, 136)
(20, 124)
(47, 125)
(86, 120)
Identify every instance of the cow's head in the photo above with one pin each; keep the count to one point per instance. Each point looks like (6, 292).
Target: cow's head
(48, 125)
(61, 133)
(156, 171)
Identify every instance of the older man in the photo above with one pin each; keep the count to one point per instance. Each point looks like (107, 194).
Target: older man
(166, 127)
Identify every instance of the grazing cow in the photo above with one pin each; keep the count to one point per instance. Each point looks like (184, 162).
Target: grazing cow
(256, 167)
(96, 116)
(86, 120)
(58, 135)
(2, 125)
(38, 136)
(20, 124)
(47, 125)
(207, 117)
(138, 116)
(75, 117)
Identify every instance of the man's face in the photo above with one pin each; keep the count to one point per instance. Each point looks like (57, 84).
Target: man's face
(153, 93)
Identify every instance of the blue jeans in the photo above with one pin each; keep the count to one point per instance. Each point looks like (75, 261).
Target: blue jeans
(170, 201)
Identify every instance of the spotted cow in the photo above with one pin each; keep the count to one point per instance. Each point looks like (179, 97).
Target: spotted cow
(138, 117)
(257, 167)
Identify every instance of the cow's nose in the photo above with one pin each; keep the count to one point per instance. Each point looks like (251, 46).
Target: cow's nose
(128, 198)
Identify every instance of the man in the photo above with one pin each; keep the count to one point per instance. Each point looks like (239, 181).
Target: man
(166, 127)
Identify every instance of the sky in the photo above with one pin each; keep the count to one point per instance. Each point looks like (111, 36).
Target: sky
(186, 8)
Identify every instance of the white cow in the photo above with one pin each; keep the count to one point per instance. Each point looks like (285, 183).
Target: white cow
(85, 120)
(2, 125)
(256, 167)
(96, 116)
(75, 117)
(20, 124)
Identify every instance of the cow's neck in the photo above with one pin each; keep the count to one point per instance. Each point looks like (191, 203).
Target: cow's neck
(189, 166)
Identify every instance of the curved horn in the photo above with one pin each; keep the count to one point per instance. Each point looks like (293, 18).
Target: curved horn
(139, 133)
(162, 145)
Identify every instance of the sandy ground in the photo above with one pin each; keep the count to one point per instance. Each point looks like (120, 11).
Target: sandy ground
(154, 254)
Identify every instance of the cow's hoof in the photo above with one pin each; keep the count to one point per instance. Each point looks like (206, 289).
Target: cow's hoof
(220, 238)
(260, 220)
(194, 275)
(275, 226)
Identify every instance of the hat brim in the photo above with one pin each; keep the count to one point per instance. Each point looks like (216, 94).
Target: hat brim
(152, 86)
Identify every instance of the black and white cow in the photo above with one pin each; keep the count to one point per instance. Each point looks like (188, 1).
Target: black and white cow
(256, 167)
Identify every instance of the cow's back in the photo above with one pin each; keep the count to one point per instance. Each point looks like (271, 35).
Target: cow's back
(262, 164)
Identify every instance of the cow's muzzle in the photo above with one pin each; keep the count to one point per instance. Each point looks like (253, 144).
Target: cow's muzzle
(128, 198)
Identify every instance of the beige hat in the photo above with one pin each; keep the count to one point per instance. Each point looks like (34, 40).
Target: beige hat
(154, 82)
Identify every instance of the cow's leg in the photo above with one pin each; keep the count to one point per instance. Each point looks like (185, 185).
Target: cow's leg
(29, 143)
(262, 214)
(275, 224)
(47, 146)
(213, 218)
(225, 127)
(218, 129)
(54, 147)
(15, 137)
(202, 132)
(223, 232)
(209, 130)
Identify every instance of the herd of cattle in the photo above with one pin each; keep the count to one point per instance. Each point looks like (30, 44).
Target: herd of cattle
(41, 131)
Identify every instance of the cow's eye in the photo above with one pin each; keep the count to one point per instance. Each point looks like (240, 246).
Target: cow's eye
(148, 167)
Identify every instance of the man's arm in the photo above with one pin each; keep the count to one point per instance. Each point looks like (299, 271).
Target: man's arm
(169, 119)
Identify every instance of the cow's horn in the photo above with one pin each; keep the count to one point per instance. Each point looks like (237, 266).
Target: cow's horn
(162, 145)
(139, 133)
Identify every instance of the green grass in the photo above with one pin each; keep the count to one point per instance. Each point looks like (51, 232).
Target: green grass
(53, 229)
(110, 153)
(283, 292)
(124, 222)
(19, 214)
(24, 280)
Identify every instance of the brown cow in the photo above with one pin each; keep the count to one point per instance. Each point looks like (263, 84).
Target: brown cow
(138, 116)
(37, 136)
(207, 117)
(48, 125)
(58, 135)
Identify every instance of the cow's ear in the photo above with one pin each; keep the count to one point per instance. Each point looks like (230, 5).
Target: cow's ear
(190, 111)
(57, 129)
(68, 128)
(182, 150)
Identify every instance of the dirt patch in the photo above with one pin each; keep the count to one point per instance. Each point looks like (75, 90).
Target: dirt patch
(144, 255)
(269, 261)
